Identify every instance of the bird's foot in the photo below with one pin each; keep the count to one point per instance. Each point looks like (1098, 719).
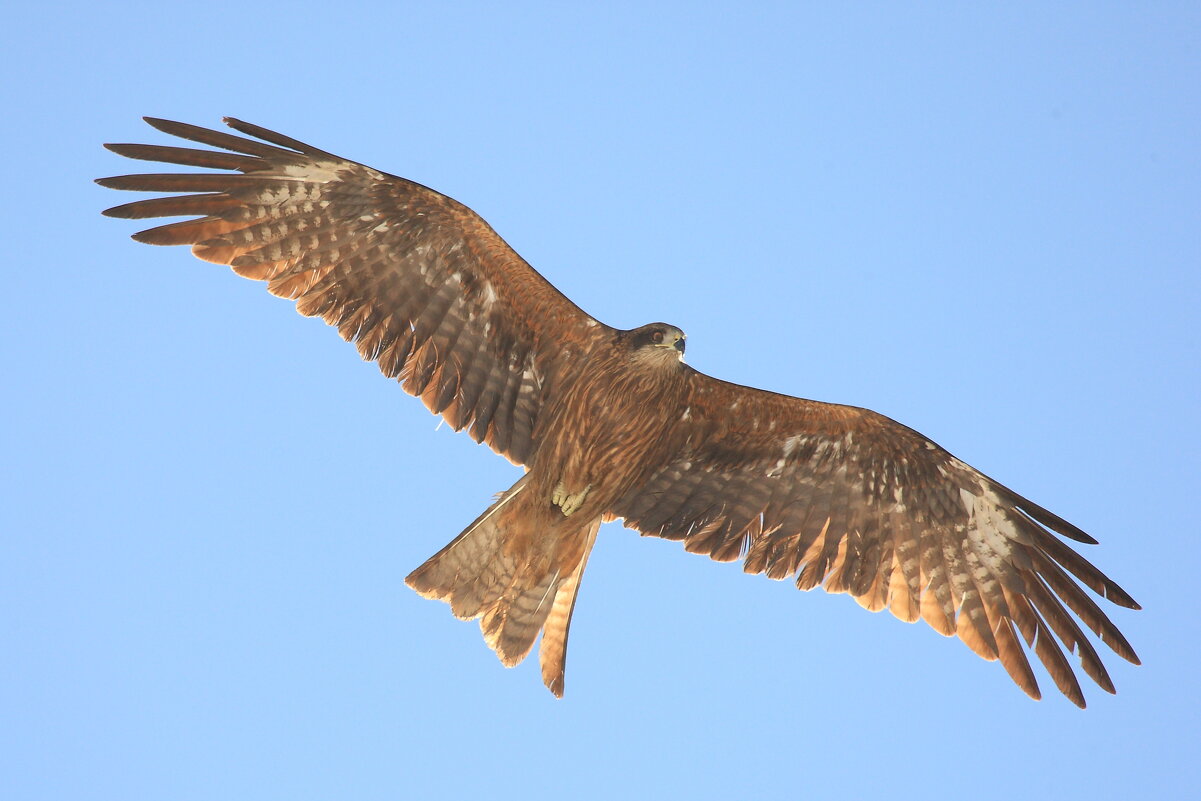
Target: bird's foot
(568, 502)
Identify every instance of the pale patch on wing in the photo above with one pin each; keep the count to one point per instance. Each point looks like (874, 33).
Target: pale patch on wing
(791, 444)
(531, 376)
(968, 500)
(315, 171)
(990, 532)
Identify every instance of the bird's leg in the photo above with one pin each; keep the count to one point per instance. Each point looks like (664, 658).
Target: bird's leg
(568, 502)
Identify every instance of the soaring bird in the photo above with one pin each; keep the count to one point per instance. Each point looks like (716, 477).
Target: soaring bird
(611, 423)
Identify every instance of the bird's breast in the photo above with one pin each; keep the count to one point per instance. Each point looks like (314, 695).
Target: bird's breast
(609, 431)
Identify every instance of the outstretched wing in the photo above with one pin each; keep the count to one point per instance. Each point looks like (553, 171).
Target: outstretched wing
(848, 499)
(419, 282)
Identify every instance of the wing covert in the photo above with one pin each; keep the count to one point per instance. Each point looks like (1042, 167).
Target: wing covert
(417, 281)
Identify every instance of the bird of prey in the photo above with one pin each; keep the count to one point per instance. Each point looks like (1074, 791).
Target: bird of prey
(611, 423)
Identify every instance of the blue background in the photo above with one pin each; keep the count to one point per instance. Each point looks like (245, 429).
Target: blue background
(982, 221)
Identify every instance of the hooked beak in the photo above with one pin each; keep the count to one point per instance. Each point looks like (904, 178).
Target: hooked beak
(679, 344)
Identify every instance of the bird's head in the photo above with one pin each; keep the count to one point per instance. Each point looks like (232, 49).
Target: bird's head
(656, 341)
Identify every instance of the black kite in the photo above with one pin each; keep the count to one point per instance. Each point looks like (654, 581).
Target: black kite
(612, 424)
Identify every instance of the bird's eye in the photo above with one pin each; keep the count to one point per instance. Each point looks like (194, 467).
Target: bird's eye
(657, 337)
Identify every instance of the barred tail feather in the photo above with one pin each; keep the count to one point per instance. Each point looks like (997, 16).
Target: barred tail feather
(515, 572)
(552, 653)
(472, 571)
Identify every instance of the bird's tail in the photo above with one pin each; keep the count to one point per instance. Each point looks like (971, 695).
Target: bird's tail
(517, 573)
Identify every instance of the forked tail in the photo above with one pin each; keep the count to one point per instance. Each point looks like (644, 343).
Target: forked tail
(511, 568)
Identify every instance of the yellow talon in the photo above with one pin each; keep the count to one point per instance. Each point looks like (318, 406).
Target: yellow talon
(567, 502)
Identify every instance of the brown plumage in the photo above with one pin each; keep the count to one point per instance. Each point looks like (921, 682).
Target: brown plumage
(611, 423)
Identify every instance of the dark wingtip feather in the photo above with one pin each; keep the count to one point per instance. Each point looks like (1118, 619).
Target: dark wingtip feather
(188, 157)
(142, 236)
(177, 206)
(1049, 519)
(119, 212)
(182, 182)
(1120, 597)
(1095, 668)
(267, 135)
(220, 139)
(172, 234)
(162, 124)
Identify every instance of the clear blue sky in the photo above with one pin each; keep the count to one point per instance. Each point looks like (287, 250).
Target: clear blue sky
(981, 220)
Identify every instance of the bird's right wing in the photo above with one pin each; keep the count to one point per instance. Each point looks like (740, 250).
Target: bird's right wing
(419, 282)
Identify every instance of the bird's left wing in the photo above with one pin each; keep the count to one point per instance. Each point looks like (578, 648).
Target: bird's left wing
(847, 499)
(419, 282)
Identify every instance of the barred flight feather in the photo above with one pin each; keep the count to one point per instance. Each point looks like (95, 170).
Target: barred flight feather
(389, 289)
